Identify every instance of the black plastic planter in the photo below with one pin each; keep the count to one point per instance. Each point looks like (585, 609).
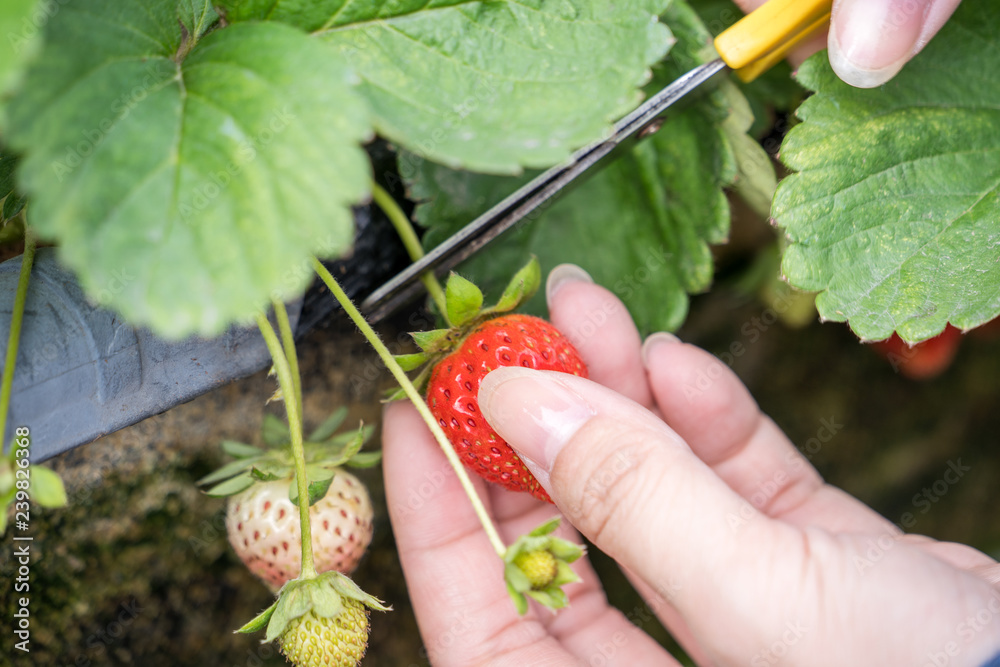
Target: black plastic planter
(82, 372)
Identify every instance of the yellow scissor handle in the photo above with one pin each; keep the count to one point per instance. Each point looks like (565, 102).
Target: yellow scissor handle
(759, 40)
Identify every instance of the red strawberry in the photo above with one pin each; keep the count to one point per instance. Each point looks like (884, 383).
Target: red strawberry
(453, 391)
(263, 527)
(924, 360)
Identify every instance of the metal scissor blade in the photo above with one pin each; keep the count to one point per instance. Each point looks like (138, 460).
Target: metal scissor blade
(539, 192)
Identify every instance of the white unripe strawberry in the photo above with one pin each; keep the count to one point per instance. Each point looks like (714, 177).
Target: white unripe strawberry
(263, 528)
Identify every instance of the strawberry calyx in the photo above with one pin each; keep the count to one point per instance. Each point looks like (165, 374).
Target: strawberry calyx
(536, 566)
(326, 451)
(323, 595)
(464, 312)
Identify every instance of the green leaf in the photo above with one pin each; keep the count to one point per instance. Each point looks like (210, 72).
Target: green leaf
(8, 168)
(365, 460)
(521, 287)
(490, 86)
(228, 470)
(320, 478)
(12, 205)
(240, 450)
(19, 23)
(231, 486)
(348, 437)
(464, 300)
(755, 178)
(409, 362)
(520, 602)
(326, 601)
(329, 425)
(313, 15)
(774, 90)
(318, 489)
(47, 488)
(428, 340)
(516, 578)
(260, 621)
(293, 601)
(357, 442)
(893, 214)
(268, 471)
(553, 598)
(186, 179)
(546, 528)
(641, 227)
(274, 431)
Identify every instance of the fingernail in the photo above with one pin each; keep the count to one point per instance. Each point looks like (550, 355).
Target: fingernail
(534, 412)
(563, 275)
(654, 341)
(871, 40)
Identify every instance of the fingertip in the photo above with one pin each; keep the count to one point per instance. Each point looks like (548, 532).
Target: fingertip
(699, 397)
(654, 341)
(857, 75)
(601, 329)
(561, 276)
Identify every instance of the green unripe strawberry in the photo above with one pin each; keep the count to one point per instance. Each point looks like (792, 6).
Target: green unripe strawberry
(341, 641)
(320, 620)
(539, 566)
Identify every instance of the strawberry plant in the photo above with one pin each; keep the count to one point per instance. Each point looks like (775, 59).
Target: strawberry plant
(262, 519)
(213, 151)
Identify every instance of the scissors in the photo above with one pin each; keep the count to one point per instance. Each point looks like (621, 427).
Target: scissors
(749, 48)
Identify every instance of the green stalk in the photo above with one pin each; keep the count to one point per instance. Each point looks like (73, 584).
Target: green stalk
(288, 342)
(16, 319)
(284, 371)
(410, 241)
(418, 402)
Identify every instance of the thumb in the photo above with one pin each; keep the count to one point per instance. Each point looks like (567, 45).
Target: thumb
(871, 40)
(630, 484)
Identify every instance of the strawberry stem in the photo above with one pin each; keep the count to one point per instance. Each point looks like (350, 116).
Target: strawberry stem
(418, 402)
(282, 367)
(288, 342)
(410, 241)
(14, 339)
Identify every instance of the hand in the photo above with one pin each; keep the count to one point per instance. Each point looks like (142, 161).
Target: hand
(724, 527)
(871, 40)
